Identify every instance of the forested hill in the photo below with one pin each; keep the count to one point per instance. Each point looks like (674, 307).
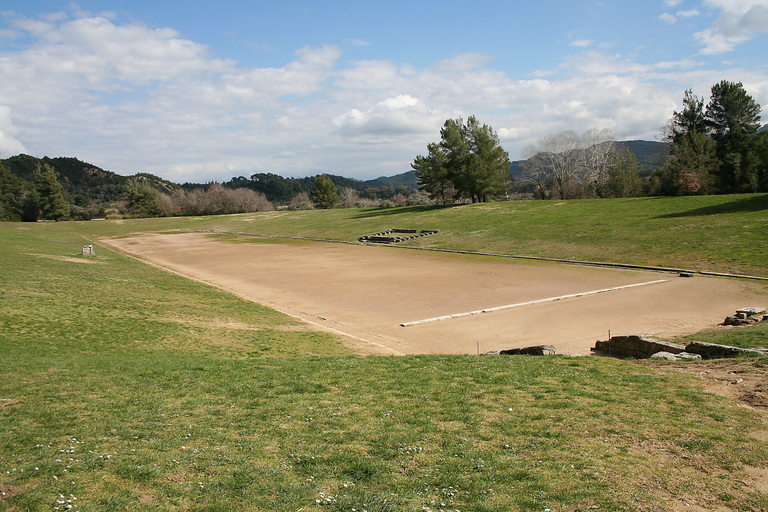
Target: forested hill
(85, 183)
(82, 182)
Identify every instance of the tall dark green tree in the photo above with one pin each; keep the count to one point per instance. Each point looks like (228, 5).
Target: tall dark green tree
(325, 195)
(432, 173)
(733, 119)
(623, 174)
(11, 195)
(691, 167)
(53, 205)
(143, 200)
(469, 158)
(690, 119)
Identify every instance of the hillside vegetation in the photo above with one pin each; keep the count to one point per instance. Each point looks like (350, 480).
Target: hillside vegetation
(129, 388)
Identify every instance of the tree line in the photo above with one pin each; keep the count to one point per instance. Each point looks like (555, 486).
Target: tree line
(719, 149)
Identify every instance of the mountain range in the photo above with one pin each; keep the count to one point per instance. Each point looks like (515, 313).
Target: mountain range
(86, 183)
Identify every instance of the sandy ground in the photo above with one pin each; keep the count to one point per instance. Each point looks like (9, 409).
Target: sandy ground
(367, 292)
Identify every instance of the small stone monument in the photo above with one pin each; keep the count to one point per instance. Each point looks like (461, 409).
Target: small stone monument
(88, 249)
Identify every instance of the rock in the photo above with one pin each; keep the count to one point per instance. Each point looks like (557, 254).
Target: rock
(491, 353)
(664, 355)
(714, 351)
(682, 356)
(636, 346)
(751, 311)
(740, 319)
(538, 350)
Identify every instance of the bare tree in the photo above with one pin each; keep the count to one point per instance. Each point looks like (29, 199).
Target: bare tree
(557, 158)
(597, 158)
(567, 162)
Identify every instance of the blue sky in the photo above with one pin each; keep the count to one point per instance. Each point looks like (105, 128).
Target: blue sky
(200, 92)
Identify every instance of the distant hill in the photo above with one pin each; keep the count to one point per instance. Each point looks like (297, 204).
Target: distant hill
(86, 183)
(82, 182)
(650, 155)
(406, 179)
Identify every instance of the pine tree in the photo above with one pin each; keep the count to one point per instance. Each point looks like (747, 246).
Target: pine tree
(325, 195)
(53, 205)
(733, 119)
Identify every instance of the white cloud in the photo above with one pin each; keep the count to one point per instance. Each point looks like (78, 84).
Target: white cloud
(9, 145)
(131, 98)
(689, 13)
(581, 43)
(668, 18)
(672, 3)
(739, 21)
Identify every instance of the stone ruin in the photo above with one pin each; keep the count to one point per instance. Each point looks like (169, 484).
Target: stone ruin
(392, 236)
(746, 316)
(536, 350)
(88, 249)
(642, 347)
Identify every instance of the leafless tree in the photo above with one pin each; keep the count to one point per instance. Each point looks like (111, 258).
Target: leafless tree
(597, 157)
(566, 162)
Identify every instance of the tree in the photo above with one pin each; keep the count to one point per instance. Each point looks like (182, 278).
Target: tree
(143, 200)
(690, 119)
(51, 201)
(432, 173)
(469, 159)
(11, 195)
(733, 119)
(692, 163)
(717, 149)
(325, 195)
(623, 175)
(598, 157)
(487, 167)
(556, 157)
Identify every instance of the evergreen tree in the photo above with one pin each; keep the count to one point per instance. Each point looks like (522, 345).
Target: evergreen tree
(11, 195)
(623, 174)
(325, 195)
(690, 119)
(468, 158)
(733, 119)
(432, 173)
(53, 205)
(692, 164)
(143, 200)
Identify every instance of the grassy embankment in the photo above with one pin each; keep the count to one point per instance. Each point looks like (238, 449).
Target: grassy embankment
(132, 389)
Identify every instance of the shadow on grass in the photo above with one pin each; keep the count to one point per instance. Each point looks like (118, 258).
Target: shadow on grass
(742, 205)
(385, 212)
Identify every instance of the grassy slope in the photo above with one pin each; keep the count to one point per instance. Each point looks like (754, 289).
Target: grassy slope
(714, 233)
(129, 388)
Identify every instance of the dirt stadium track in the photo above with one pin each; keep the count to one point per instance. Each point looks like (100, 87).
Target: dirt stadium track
(368, 292)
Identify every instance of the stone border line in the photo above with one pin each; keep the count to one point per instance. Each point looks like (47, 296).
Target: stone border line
(512, 256)
(528, 303)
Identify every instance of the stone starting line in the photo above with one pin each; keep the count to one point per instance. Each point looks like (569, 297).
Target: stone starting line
(528, 303)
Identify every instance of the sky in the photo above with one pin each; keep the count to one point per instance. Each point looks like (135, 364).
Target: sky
(200, 91)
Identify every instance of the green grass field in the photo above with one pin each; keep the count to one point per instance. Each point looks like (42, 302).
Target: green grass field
(128, 388)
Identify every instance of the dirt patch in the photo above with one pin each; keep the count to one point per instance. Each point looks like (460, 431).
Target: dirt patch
(146, 499)
(366, 293)
(742, 380)
(64, 258)
(9, 491)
